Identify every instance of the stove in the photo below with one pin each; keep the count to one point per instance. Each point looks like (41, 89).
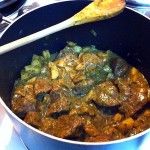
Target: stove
(12, 9)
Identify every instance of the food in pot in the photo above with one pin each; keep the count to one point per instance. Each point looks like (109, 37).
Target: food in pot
(82, 94)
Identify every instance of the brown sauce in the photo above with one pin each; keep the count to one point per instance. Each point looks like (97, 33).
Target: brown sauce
(83, 94)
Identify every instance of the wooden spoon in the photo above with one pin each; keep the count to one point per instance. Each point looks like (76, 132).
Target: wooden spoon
(95, 11)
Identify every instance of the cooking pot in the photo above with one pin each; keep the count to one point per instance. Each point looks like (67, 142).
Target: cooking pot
(128, 35)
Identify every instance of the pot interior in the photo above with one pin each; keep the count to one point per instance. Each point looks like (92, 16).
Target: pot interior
(127, 35)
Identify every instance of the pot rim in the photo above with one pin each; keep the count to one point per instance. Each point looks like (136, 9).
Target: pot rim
(8, 110)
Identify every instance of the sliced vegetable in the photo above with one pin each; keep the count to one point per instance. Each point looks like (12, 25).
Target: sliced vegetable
(54, 70)
(46, 55)
(36, 62)
(32, 69)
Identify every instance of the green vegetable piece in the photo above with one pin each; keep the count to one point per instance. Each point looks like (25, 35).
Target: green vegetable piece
(35, 57)
(36, 62)
(33, 69)
(77, 49)
(46, 55)
(110, 76)
(91, 48)
(111, 55)
(26, 75)
(71, 44)
(107, 68)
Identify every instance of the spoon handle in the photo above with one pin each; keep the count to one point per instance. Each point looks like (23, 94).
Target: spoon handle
(36, 36)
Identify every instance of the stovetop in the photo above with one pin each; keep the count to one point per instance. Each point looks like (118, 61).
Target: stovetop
(9, 139)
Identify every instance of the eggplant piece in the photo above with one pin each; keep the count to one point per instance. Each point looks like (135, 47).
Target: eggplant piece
(54, 95)
(78, 135)
(40, 96)
(121, 67)
(81, 91)
(106, 110)
(82, 88)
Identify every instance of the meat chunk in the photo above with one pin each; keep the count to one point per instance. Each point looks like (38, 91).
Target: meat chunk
(47, 124)
(42, 85)
(54, 95)
(91, 130)
(120, 67)
(134, 89)
(23, 100)
(24, 91)
(99, 138)
(19, 91)
(33, 118)
(117, 117)
(126, 125)
(87, 58)
(22, 106)
(82, 108)
(149, 95)
(58, 107)
(107, 94)
(66, 126)
(141, 123)
(113, 132)
(68, 59)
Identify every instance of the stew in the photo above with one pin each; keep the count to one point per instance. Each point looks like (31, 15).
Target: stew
(82, 94)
